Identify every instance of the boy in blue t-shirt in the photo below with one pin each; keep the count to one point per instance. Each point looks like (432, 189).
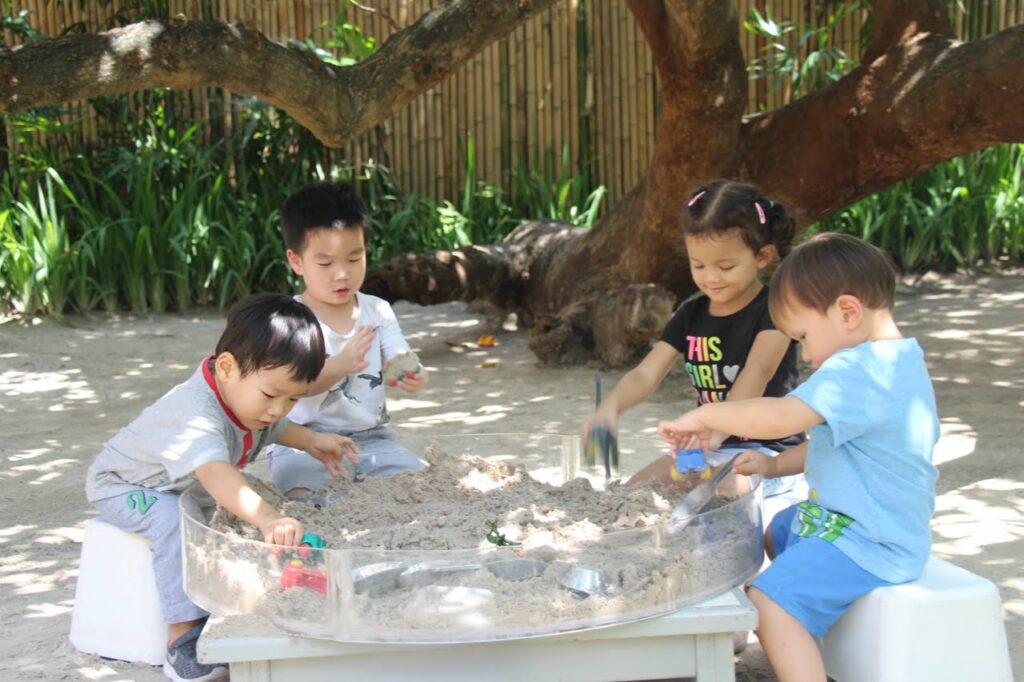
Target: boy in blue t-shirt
(871, 412)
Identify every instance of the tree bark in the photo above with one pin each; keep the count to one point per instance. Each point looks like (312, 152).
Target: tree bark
(927, 99)
(334, 103)
(920, 97)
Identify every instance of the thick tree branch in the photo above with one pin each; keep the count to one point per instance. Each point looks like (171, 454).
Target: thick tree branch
(470, 274)
(924, 101)
(498, 274)
(334, 103)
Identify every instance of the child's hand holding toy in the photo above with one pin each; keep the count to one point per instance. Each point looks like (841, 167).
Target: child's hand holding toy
(405, 372)
(686, 432)
(282, 530)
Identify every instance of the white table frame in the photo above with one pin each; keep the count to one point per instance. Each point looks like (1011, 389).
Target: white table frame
(695, 641)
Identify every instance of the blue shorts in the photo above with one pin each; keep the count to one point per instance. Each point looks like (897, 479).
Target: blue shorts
(810, 579)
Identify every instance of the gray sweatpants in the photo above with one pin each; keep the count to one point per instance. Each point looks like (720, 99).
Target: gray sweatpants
(154, 515)
(379, 455)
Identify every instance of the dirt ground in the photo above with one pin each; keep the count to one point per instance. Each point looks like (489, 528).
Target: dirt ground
(66, 388)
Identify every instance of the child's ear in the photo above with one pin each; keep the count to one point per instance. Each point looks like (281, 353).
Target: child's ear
(765, 257)
(294, 261)
(851, 311)
(224, 365)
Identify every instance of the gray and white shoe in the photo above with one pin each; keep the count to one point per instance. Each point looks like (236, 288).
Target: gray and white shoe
(182, 665)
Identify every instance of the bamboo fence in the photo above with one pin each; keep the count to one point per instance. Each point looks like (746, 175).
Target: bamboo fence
(578, 76)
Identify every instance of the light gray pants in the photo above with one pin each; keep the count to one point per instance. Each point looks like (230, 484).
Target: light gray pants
(379, 455)
(154, 515)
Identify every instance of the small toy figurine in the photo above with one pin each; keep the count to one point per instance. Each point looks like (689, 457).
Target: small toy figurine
(688, 461)
(309, 542)
(400, 366)
(297, 573)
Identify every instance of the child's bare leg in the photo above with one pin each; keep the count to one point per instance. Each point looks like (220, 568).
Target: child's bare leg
(657, 470)
(176, 630)
(790, 648)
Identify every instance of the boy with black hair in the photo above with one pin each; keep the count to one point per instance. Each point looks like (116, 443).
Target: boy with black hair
(207, 429)
(325, 226)
(871, 410)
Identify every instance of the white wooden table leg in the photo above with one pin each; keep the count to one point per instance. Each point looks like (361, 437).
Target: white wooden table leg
(715, 658)
(250, 671)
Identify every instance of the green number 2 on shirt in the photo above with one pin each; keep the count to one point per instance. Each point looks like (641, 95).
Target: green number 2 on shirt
(815, 521)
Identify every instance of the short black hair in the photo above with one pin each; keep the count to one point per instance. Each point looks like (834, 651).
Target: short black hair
(322, 206)
(831, 264)
(265, 331)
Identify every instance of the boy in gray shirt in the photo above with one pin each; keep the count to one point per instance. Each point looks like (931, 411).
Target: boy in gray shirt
(207, 429)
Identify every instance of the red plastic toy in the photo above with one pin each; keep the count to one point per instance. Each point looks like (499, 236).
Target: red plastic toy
(297, 574)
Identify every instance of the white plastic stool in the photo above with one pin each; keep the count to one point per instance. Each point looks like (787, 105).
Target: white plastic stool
(945, 626)
(117, 608)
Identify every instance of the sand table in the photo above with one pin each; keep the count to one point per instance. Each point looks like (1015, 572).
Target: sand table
(419, 566)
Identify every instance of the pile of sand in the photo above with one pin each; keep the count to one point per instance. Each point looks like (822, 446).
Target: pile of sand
(418, 563)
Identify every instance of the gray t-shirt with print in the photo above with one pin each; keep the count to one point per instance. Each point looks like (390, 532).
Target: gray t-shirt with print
(162, 447)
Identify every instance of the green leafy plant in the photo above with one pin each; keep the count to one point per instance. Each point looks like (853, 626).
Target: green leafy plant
(496, 538)
(556, 195)
(800, 66)
(957, 214)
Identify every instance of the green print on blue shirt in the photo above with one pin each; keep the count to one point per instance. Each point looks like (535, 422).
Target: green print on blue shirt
(816, 521)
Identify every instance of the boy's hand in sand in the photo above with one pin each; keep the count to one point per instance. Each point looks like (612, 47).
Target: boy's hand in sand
(751, 462)
(331, 449)
(283, 530)
(352, 356)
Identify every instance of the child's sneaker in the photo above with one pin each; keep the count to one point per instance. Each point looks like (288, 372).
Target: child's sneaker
(183, 666)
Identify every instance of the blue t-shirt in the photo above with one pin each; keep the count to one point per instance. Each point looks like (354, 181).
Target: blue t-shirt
(869, 465)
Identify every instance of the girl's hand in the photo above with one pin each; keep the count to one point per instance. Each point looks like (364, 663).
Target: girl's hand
(685, 431)
(352, 356)
(414, 383)
(600, 418)
(753, 462)
(283, 530)
(330, 448)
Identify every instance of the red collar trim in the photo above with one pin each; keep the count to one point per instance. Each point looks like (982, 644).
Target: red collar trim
(247, 439)
(212, 383)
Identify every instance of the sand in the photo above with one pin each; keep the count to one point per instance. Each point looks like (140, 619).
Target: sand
(472, 549)
(67, 388)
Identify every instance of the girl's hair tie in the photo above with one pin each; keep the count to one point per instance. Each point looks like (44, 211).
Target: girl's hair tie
(760, 213)
(693, 200)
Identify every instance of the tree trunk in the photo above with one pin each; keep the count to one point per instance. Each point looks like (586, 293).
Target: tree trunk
(603, 294)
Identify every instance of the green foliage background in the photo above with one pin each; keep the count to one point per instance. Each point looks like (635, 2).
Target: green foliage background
(152, 218)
